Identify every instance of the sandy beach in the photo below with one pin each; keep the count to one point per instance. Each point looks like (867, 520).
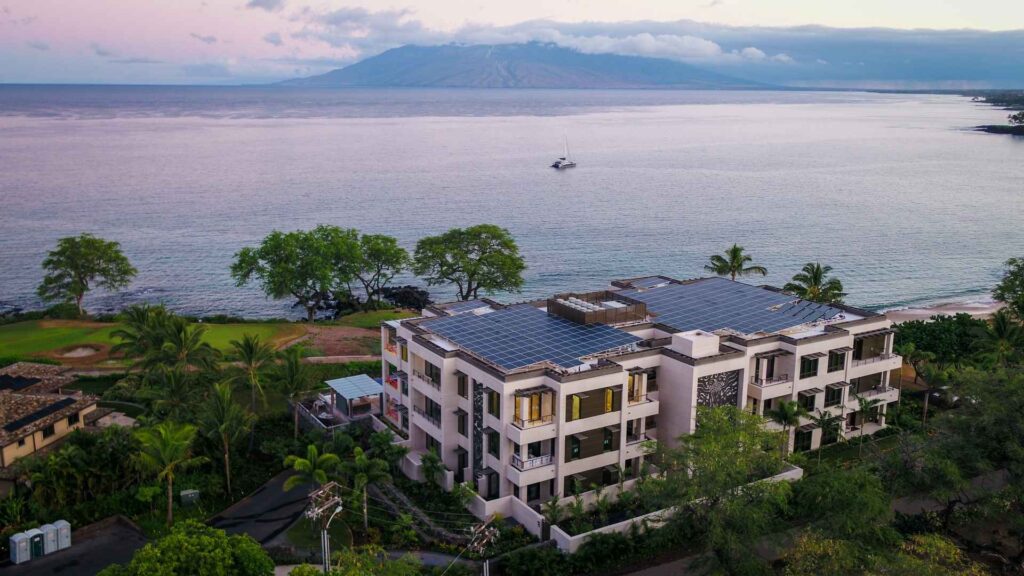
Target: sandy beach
(978, 310)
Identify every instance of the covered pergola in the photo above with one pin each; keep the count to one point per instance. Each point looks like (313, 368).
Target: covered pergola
(356, 396)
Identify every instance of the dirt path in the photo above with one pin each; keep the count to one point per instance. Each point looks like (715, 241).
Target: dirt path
(342, 340)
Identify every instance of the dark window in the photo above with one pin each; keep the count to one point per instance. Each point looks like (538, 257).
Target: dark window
(807, 401)
(463, 385)
(492, 485)
(836, 361)
(574, 448)
(73, 419)
(432, 444)
(405, 421)
(462, 423)
(494, 403)
(767, 405)
(48, 431)
(652, 380)
(802, 441)
(808, 367)
(21, 442)
(833, 396)
(463, 460)
(533, 450)
(533, 492)
(432, 372)
(405, 387)
(494, 444)
(606, 445)
(829, 436)
(650, 422)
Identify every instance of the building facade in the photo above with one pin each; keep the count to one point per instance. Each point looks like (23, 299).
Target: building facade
(552, 397)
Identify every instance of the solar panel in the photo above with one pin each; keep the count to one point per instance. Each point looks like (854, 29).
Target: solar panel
(648, 282)
(41, 413)
(715, 303)
(460, 307)
(522, 335)
(8, 382)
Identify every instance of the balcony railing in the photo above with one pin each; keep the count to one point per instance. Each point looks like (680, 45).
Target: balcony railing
(637, 399)
(637, 438)
(530, 463)
(430, 417)
(872, 392)
(771, 381)
(426, 379)
(532, 422)
(873, 359)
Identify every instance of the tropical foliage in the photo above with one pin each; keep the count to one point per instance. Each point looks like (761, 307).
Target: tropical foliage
(78, 263)
(482, 257)
(735, 262)
(814, 283)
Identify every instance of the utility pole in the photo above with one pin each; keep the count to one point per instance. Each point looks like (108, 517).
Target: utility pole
(324, 505)
(481, 536)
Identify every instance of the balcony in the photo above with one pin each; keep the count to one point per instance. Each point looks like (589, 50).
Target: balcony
(530, 463)
(638, 399)
(771, 381)
(427, 379)
(533, 422)
(396, 379)
(427, 416)
(873, 359)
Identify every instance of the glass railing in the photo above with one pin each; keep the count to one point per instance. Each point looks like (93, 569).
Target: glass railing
(534, 462)
(531, 422)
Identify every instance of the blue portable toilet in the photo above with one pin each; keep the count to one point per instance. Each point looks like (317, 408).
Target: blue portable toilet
(63, 534)
(35, 542)
(49, 538)
(19, 548)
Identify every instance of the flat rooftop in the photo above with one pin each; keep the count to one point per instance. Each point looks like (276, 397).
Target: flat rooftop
(713, 304)
(524, 335)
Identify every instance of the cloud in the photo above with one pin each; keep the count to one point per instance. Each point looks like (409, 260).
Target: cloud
(100, 50)
(751, 53)
(38, 45)
(204, 39)
(135, 61)
(268, 5)
(273, 38)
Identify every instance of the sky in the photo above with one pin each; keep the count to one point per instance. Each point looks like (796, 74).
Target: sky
(952, 43)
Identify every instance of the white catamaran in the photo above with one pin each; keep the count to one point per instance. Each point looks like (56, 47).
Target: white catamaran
(566, 160)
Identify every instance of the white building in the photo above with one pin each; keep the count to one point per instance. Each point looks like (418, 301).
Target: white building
(535, 399)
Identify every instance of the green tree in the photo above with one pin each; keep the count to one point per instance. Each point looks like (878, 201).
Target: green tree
(295, 380)
(482, 257)
(307, 266)
(1016, 119)
(367, 560)
(787, 413)
(78, 263)
(224, 421)
(1002, 340)
(254, 355)
(431, 467)
(813, 283)
(171, 392)
(734, 263)
(915, 357)
(951, 339)
(830, 424)
(845, 503)
(552, 510)
(864, 406)
(363, 472)
(140, 330)
(181, 346)
(313, 469)
(813, 553)
(380, 260)
(383, 446)
(194, 548)
(164, 450)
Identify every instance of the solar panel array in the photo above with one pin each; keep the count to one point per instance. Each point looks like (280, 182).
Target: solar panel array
(8, 382)
(522, 335)
(649, 282)
(38, 414)
(460, 307)
(716, 303)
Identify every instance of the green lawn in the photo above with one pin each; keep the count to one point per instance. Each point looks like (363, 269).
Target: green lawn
(42, 336)
(371, 319)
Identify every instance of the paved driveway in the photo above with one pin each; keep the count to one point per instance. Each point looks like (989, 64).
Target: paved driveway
(265, 513)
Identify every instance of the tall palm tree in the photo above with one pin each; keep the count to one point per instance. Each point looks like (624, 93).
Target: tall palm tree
(864, 406)
(295, 380)
(181, 346)
(813, 283)
(828, 423)
(552, 510)
(313, 469)
(171, 390)
(787, 414)
(140, 331)
(431, 466)
(734, 263)
(363, 472)
(254, 355)
(1002, 340)
(165, 449)
(935, 378)
(221, 419)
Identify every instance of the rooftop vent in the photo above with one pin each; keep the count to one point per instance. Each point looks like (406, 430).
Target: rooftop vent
(602, 307)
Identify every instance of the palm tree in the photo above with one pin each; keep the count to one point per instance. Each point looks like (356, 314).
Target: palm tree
(787, 414)
(1002, 340)
(181, 346)
(165, 449)
(431, 466)
(140, 330)
(553, 511)
(171, 391)
(312, 469)
(363, 472)
(224, 421)
(935, 378)
(254, 355)
(829, 423)
(294, 379)
(813, 283)
(733, 264)
(864, 406)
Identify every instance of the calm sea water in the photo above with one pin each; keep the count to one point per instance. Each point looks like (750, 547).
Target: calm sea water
(895, 192)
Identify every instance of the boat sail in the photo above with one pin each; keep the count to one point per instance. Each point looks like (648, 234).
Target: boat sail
(566, 160)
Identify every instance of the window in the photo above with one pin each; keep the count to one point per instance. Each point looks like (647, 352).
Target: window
(652, 380)
(807, 401)
(494, 403)
(607, 443)
(463, 461)
(405, 386)
(574, 407)
(74, 419)
(517, 411)
(461, 419)
(21, 443)
(534, 406)
(404, 352)
(463, 383)
(494, 444)
(808, 367)
(405, 420)
(48, 431)
(767, 405)
(609, 397)
(633, 387)
(432, 372)
(533, 492)
(533, 450)
(432, 444)
(836, 361)
(829, 436)
(574, 447)
(802, 441)
(833, 396)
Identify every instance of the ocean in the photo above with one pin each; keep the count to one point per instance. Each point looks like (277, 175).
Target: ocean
(895, 192)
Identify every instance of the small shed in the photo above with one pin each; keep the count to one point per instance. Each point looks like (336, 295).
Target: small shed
(356, 396)
(20, 548)
(63, 534)
(50, 544)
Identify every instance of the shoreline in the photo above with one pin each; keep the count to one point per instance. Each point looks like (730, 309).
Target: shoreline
(975, 309)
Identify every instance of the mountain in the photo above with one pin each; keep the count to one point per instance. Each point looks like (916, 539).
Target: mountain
(532, 65)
